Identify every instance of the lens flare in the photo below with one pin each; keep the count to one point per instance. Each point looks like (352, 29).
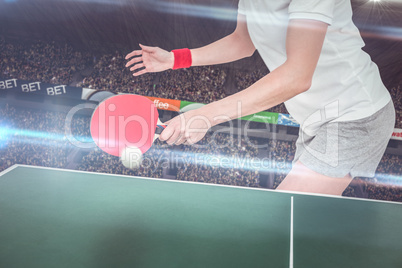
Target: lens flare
(253, 164)
(8, 134)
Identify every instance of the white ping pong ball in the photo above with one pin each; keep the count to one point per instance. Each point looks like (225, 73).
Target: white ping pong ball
(131, 157)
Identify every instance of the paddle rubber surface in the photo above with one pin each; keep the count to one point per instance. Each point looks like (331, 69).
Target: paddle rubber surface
(122, 121)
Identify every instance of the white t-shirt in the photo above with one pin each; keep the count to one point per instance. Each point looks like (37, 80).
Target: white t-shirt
(346, 84)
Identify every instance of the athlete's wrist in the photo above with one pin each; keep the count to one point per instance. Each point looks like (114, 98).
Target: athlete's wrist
(182, 58)
(171, 60)
(211, 113)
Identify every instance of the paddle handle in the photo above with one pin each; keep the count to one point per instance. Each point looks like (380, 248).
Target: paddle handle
(159, 129)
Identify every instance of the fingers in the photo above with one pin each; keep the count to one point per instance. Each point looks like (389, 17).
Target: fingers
(174, 132)
(137, 62)
(173, 138)
(139, 52)
(143, 71)
(137, 66)
(186, 129)
(180, 140)
(148, 49)
(169, 135)
(133, 54)
(134, 61)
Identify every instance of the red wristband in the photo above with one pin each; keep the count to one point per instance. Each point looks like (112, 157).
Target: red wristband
(182, 58)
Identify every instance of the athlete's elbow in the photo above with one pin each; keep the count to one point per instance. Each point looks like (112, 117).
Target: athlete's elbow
(297, 85)
(250, 52)
(300, 82)
(302, 85)
(299, 79)
(244, 45)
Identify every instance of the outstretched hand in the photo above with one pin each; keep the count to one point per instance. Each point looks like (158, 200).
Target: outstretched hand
(154, 59)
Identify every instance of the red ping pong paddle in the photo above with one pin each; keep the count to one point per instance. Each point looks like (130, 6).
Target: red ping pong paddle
(125, 120)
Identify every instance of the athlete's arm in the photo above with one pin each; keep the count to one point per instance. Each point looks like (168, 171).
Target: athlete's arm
(233, 47)
(304, 42)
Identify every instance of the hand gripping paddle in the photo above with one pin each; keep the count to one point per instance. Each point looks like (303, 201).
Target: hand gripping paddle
(124, 121)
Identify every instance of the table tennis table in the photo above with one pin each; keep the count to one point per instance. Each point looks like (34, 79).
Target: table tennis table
(66, 218)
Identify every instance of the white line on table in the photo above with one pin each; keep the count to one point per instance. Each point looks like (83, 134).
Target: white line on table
(291, 234)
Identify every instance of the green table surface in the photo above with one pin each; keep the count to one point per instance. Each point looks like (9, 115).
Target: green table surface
(59, 218)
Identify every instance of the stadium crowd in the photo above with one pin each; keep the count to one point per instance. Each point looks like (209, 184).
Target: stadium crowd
(189, 163)
(396, 93)
(47, 146)
(56, 63)
(384, 186)
(199, 84)
(47, 62)
(110, 74)
(220, 159)
(99, 161)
